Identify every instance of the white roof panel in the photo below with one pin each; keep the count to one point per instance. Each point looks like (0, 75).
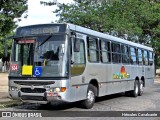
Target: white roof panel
(105, 36)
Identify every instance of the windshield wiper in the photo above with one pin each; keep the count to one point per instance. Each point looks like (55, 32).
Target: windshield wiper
(45, 40)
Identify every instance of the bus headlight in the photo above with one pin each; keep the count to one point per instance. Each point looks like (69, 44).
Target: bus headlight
(62, 89)
(12, 88)
(51, 90)
(57, 89)
(54, 90)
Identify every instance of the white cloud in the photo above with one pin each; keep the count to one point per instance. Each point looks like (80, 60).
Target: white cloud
(38, 13)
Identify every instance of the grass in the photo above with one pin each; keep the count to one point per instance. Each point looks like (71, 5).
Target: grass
(11, 103)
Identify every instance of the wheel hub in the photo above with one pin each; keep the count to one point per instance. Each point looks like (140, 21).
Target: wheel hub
(90, 97)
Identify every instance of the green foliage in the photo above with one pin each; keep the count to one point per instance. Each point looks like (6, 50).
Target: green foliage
(131, 17)
(138, 19)
(9, 10)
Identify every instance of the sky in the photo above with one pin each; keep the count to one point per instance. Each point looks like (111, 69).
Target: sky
(38, 13)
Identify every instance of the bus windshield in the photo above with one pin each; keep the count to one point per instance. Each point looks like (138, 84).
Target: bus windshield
(46, 54)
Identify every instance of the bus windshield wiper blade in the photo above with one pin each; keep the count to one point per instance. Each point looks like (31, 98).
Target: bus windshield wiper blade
(45, 41)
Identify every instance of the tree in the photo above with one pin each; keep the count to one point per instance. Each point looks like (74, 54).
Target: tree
(131, 17)
(134, 20)
(9, 10)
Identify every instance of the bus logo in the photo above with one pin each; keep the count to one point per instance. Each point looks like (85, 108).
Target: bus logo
(14, 67)
(32, 87)
(122, 74)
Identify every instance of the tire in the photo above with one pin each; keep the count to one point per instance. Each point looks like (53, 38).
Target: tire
(134, 93)
(140, 88)
(91, 95)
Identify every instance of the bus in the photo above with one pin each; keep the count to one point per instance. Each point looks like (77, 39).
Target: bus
(70, 63)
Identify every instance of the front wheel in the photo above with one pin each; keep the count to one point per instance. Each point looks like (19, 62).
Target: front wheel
(91, 95)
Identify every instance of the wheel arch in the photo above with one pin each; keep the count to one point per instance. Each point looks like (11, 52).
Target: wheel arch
(137, 78)
(94, 82)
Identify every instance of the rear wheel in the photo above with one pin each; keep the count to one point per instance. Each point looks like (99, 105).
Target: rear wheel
(134, 93)
(91, 95)
(140, 88)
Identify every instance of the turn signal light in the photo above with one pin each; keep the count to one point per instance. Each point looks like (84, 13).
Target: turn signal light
(63, 89)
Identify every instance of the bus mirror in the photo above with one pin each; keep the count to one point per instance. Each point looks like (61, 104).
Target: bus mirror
(76, 45)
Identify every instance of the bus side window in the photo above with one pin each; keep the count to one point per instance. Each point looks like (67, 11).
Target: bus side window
(140, 62)
(92, 44)
(105, 51)
(145, 57)
(125, 54)
(133, 58)
(150, 58)
(78, 60)
(116, 52)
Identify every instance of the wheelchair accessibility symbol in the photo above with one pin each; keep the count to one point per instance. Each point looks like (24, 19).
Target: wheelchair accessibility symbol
(37, 71)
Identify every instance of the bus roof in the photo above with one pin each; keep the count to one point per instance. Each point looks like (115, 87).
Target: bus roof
(105, 36)
(94, 33)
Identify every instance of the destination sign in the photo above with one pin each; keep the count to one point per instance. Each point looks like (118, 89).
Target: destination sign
(44, 30)
(40, 29)
(26, 41)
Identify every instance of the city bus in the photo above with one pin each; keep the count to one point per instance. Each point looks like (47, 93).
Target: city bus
(70, 63)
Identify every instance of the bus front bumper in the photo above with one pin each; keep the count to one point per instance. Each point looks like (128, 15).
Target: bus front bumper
(40, 98)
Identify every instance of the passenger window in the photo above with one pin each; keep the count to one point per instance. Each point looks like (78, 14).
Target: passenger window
(78, 60)
(116, 53)
(140, 57)
(105, 51)
(145, 57)
(150, 58)
(133, 57)
(125, 54)
(92, 49)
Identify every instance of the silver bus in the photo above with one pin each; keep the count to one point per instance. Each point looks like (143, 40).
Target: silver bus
(66, 62)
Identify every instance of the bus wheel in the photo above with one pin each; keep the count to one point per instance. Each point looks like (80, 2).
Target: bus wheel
(140, 88)
(91, 95)
(134, 93)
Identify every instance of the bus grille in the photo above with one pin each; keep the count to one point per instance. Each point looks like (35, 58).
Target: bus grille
(35, 90)
(38, 98)
(37, 83)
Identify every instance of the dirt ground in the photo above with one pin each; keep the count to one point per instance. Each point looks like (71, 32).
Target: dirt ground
(3, 82)
(4, 87)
